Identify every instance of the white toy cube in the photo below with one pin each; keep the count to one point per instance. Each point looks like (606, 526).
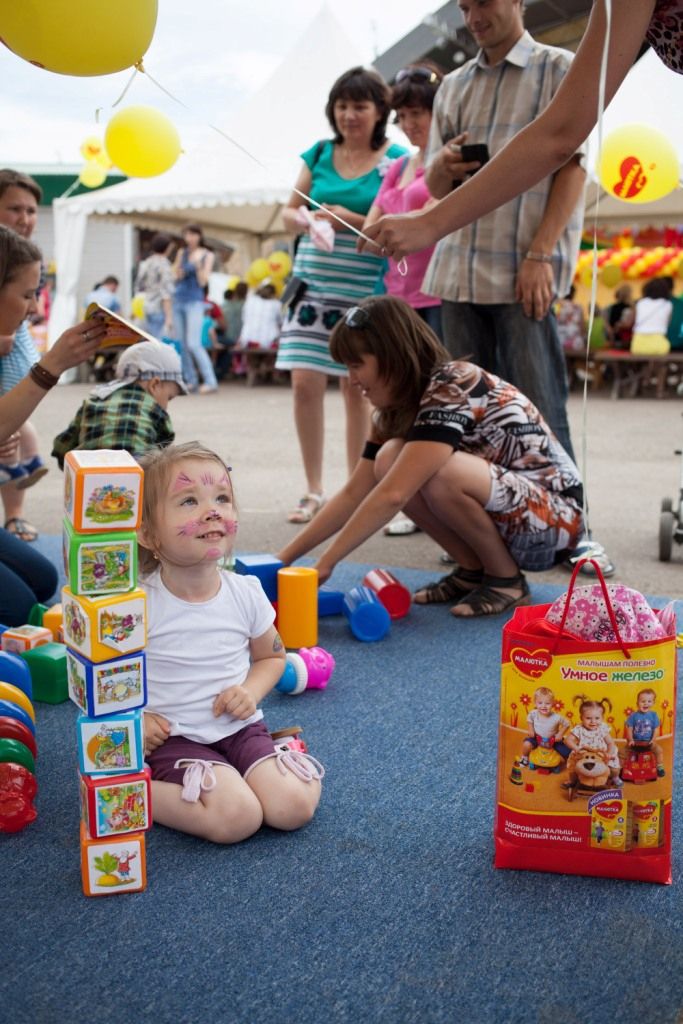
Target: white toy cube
(102, 490)
(116, 804)
(113, 865)
(107, 687)
(101, 627)
(111, 745)
(18, 639)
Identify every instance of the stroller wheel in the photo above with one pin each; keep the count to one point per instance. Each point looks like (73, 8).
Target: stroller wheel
(667, 505)
(666, 532)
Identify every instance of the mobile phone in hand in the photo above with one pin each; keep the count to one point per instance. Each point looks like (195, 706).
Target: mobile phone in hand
(476, 151)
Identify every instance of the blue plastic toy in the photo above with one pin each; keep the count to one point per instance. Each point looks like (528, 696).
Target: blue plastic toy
(368, 618)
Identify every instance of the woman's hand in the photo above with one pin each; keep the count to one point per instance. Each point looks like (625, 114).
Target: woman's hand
(399, 235)
(74, 346)
(324, 569)
(236, 701)
(157, 730)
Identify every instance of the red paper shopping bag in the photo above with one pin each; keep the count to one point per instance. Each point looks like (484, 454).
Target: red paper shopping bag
(579, 791)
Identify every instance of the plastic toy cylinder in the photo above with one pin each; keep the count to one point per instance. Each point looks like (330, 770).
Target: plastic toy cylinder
(393, 595)
(368, 618)
(297, 606)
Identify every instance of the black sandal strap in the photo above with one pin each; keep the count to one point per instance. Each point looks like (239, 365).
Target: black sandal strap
(448, 587)
(506, 582)
(488, 599)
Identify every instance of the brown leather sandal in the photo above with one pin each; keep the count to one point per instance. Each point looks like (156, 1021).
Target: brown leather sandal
(449, 588)
(487, 599)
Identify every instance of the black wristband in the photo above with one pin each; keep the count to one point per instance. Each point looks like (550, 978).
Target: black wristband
(42, 377)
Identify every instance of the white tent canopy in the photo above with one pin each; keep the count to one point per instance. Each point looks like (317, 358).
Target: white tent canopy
(236, 198)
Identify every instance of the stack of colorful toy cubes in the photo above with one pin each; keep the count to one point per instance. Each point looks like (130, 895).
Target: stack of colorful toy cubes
(104, 617)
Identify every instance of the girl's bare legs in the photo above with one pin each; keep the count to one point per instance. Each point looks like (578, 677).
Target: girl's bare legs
(28, 441)
(358, 413)
(226, 814)
(287, 801)
(308, 387)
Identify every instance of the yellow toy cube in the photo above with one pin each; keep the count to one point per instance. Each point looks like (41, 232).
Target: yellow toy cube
(100, 626)
(113, 865)
(102, 490)
(52, 620)
(24, 638)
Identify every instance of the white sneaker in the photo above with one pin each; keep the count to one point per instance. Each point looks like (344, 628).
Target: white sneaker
(589, 549)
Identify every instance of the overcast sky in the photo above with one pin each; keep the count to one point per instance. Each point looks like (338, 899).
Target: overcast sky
(210, 54)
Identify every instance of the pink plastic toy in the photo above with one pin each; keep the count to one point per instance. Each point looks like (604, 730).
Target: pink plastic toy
(308, 669)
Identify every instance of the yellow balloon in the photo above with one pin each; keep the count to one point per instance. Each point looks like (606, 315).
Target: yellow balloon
(79, 37)
(232, 282)
(638, 164)
(258, 270)
(137, 306)
(92, 174)
(91, 147)
(610, 275)
(142, 142)
(586, 276)
(251, 280)
(279, 263)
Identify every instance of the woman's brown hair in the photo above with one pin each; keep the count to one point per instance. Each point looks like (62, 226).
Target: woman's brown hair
(407, 352)
(157, 464)
(361, 84)
(15, 252)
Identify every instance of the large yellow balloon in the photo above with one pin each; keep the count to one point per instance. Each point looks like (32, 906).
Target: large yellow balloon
(142, 142)
(610, 275)
(92, 175)
(279, 264)
(79, 37)
(638, 164)
(258, 270)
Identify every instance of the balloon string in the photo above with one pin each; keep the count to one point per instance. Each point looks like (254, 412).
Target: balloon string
(594, 266)
(402, 264)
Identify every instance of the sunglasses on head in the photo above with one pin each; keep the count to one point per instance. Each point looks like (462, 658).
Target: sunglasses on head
(356, 318)
(416, 75)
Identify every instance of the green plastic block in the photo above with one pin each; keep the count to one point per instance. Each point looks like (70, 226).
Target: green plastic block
(47, 665)
(101, 563)
(35, 616)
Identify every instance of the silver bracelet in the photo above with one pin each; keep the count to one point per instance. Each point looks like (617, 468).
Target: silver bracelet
(538, 257)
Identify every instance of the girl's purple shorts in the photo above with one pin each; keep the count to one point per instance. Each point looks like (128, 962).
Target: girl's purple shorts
(240, 751)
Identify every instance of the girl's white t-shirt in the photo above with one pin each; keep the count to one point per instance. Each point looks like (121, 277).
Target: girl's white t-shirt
(652, 316)
(194, 651)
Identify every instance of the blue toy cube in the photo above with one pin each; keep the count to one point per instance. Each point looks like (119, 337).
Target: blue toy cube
(107, 687)
(111, 745)
(100, 563)
(265, 567)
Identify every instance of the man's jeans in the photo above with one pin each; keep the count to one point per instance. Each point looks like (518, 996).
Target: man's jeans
(525, 352)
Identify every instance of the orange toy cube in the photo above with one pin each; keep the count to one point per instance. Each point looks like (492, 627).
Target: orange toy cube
(101, 627)
(25, 638)
(52, 620)
(102, 490)
(113, 865)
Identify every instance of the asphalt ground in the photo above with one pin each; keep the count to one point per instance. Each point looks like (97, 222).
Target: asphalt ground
(630, 466)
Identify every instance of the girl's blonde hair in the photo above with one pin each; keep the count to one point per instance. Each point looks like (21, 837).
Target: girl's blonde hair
(158, 464)
(407, 353)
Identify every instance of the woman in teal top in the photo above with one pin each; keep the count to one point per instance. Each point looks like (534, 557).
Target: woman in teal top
(344, 174)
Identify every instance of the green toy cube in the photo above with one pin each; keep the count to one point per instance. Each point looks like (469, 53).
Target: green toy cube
(101, 563)
(35, 616)
(47, 665)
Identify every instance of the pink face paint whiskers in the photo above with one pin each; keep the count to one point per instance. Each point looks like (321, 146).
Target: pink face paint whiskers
(181, 482)
(190, 529)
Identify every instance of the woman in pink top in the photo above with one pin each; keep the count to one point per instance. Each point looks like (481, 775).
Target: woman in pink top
(403, 188)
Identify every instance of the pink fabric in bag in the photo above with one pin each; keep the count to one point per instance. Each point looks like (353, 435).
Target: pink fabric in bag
(588, 618)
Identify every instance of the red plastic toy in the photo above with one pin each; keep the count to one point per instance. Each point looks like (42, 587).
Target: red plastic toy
(17, 790)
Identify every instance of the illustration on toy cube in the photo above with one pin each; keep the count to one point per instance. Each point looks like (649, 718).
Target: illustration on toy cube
(101, 626)
(265, 567)
(17, 790)
(107, 687)
(13, 669)
(116, 804)
(114, 865)
(368, 618)
(47, 665)
(309, 668)
(297, 606)
(393, 595)
(102, 490)
(18, 639)
(110, 745)
(99, 564)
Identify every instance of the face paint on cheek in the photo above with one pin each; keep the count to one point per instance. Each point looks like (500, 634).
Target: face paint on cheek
(231, 527)
(190, 529)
